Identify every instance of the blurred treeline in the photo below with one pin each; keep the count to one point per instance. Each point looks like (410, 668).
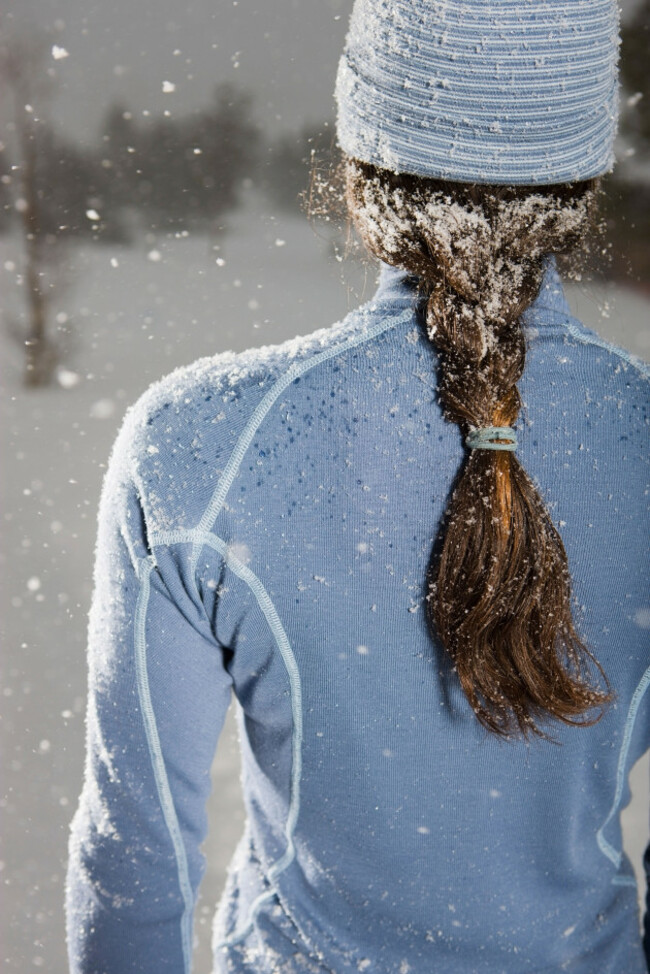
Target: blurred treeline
(626, 203)
(165, 173)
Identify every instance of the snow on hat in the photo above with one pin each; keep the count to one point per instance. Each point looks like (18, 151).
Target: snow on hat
(487, 91)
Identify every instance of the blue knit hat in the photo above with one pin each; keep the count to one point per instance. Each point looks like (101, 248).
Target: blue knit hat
(486, 91)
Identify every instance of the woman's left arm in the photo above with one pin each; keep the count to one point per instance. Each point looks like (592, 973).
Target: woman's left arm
(158, 694)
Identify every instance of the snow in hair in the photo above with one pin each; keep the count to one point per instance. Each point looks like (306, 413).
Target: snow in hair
(486, 246)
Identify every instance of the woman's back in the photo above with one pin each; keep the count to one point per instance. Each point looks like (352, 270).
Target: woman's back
(305, 485)
(419, 797)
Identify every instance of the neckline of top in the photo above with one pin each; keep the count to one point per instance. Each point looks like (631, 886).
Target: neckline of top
(396, 284)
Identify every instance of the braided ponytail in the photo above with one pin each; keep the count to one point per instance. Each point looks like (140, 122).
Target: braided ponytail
(500, 588)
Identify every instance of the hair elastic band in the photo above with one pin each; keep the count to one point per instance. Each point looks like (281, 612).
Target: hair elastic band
(492, 438)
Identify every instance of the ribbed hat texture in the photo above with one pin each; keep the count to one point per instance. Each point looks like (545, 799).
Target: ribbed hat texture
(487, 91)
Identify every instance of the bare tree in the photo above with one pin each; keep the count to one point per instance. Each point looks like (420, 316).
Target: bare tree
(24, 56)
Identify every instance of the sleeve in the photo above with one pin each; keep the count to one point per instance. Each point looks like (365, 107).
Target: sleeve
(158, 695)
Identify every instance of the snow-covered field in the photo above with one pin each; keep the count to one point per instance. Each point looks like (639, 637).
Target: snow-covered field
(134, 314)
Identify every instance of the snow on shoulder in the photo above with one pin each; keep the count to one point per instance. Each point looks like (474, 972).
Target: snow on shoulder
(176, 439)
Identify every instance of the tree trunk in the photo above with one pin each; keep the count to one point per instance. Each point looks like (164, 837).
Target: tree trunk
(39, 359)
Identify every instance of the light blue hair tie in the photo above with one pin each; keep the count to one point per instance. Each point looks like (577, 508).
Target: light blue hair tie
(492, 438)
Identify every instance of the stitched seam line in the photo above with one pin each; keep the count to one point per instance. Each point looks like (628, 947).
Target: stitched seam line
(200, 538)
(606, 847)
(624, 881)
(601, 343)
(294, 372)
(145, 568)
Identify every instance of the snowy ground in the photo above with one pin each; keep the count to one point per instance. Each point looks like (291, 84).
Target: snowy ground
(134, 314)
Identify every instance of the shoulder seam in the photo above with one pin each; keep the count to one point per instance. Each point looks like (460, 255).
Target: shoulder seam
(295, 371)
(587, 339)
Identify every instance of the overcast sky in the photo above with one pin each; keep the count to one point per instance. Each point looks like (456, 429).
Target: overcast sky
(285, 51)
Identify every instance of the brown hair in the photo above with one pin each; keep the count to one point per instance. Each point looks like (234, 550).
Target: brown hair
(499, 594)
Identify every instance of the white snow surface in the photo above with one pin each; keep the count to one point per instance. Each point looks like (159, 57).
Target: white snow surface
(132, 319)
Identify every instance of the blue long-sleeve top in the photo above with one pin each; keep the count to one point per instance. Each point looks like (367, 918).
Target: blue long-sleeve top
(265, 528)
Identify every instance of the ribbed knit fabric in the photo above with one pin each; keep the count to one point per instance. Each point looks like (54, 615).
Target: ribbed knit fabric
(488, 91)
(265, 528)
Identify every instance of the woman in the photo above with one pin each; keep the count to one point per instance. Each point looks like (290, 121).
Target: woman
(359, 534)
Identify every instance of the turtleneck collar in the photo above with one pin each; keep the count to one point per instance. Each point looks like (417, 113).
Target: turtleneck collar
(397, 285)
